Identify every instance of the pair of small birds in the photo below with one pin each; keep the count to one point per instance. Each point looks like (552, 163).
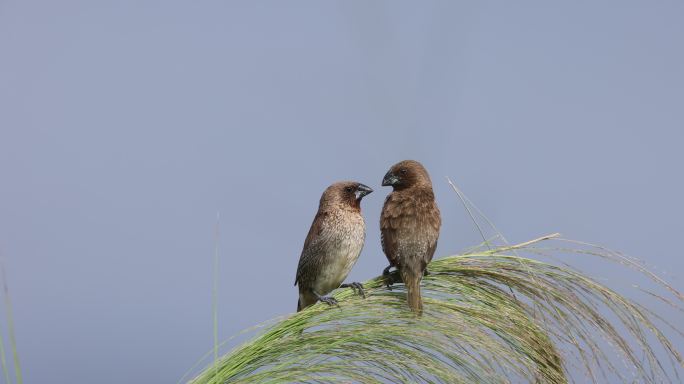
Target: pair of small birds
(409, 226)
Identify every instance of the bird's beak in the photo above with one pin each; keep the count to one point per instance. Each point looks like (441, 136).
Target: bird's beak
(389, 179)
(362, 190)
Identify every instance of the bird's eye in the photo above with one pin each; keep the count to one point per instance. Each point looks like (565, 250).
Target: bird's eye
(349, 189)
(402, 171)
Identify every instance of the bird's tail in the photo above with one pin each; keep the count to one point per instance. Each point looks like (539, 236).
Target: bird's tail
(299, 305)
(412, 282)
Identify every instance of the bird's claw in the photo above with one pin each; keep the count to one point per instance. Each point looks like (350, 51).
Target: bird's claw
(328, 300)
(388, 278)
(355, 286)
(426, 273)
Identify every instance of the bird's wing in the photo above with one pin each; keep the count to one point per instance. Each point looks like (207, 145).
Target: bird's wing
(313, 244)
(388, 229)
(434, 223)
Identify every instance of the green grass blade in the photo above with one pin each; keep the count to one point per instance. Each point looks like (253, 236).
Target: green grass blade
(215, 293)
(10, 328)
(3, 359)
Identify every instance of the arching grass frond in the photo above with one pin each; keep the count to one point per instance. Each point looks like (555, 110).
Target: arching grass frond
(491, 316)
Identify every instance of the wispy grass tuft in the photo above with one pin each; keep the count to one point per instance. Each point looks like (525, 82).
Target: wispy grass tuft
(491, 316)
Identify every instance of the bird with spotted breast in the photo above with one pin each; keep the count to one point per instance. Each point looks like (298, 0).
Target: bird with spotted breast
(333, 244)
(409, 226)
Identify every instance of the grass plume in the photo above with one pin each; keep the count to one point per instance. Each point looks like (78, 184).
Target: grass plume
(491, 316)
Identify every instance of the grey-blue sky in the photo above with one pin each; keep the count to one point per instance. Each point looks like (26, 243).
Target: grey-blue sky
(125, 125)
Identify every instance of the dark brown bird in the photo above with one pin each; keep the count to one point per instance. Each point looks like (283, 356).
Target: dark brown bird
(333, 245)
(409, 225)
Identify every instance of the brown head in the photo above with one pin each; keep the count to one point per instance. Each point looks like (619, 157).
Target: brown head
(407, 174)
(345, 193)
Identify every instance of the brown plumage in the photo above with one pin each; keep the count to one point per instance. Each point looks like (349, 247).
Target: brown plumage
(409, 225)
(333, 245)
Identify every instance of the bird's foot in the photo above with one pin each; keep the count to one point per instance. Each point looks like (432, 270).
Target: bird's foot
(355, 286)
(426, 273)
(388, 277)
(326, 299)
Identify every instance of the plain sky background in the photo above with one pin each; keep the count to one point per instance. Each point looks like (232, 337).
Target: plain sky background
(126, 125)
